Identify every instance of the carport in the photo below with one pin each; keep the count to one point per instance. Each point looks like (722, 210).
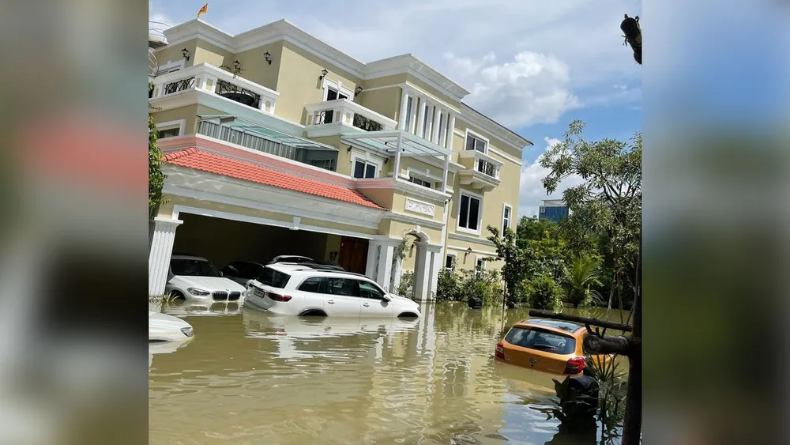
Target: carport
(223, 240)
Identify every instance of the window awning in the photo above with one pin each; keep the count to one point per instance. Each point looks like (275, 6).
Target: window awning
(392, 141)
(231, 121)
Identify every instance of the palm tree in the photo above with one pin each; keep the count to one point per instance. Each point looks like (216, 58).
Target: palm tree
(581, 278)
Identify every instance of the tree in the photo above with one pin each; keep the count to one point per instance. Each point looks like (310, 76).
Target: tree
(608, 202)
(507, 250)
(580, 279)
(156, 178)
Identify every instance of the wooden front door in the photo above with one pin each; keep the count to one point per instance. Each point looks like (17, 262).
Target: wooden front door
(353, 254)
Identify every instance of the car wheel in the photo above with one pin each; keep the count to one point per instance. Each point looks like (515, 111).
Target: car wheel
(177, 295)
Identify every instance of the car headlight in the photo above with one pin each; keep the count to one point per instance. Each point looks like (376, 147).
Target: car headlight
(188, 331)
(198, 292)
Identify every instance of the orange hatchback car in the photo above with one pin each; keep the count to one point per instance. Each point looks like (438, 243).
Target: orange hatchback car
(545, 345)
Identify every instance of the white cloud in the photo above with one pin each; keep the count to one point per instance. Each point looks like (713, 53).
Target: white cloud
(531, 58)
(531, 189)
(530, 89)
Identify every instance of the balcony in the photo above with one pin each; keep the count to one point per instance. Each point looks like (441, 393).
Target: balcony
(331, 117)
(208, 78)
(481, 170)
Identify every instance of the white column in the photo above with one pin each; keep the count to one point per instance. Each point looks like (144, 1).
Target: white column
(422, 272)
(451, 132)
(398, 273)
(436, 265)
(404, 100)
(396, 165)
(437, 116)
(159, 254)
(444, 173)
(370, 265)
(385, 265)
(421, 116)
(413, 123)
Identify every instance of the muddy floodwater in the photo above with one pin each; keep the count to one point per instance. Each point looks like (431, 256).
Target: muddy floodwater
(249, 377)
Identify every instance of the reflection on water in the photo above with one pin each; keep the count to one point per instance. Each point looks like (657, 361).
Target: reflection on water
(251, 377)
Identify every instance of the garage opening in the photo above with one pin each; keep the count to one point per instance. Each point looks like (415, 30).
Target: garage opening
(223, 241)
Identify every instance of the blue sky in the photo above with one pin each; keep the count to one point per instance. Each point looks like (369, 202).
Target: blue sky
(532, 65)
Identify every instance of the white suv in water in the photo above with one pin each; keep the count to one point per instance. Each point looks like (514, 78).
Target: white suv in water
(301, 289)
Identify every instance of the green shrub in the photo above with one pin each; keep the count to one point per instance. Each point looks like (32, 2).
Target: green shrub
(406, 285)
(448, 288)
(485, 285)
(544, 293)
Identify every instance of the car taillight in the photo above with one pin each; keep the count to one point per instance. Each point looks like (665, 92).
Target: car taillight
(575, 365)
(499, 352)
(278, 297)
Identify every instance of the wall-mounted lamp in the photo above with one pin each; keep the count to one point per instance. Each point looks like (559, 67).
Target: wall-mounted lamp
(348, 149)
(358, 90)
(386, 160)
(236, 64)
(324, 72)
(468, 251)
(267, 57)
(185, 53)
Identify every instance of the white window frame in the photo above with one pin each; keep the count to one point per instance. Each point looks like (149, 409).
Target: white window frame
(482, 260)
(478, 136)
(461, 193)
(169, 125)
(338, 86)
(444, 121)
(455, 260)
(367, 161)
(510, 219)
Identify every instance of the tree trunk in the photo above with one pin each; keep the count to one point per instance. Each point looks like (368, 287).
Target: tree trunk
(619, 297)
(611, 295)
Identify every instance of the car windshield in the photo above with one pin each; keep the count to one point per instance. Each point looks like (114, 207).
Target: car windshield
(273, 278)
(194, 268)
(541, 340)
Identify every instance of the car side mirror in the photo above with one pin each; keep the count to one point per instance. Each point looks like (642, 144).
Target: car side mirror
(387, 297)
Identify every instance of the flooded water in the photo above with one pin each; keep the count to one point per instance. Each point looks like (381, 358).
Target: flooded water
(249, 377)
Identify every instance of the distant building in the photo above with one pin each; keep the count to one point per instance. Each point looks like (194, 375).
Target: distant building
(554, 209)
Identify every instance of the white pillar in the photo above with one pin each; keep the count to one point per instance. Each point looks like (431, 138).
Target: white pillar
(398, 273)
(159, 254)
(413, 124)
(422, 272)
(421, 116)
(444, 173)
(437, 117)
(370, 265)
(437, 262)
(385, 265)
(396, 165)
(404, 100)
(451, 131)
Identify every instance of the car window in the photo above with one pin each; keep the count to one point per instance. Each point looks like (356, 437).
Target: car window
(342, 286)
(312, 285)
(541, 340)
(274, 278)
(193, 268)
(368, 290)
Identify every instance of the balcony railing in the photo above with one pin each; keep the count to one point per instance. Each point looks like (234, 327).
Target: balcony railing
(481, 170)
(487, 168)
(217, 81)
(349, 113)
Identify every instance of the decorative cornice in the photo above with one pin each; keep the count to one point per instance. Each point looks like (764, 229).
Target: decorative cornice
(470, 239)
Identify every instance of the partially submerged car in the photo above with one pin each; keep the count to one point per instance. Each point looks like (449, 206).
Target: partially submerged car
(167, 328)
(544, 345)
(196, 278)
(309, 290)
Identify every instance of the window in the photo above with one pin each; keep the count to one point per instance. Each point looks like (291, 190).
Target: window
(312, 285)
(421, 182)
(469, 216)
(274, 278)
(541, 340)
(449, 262)
(480, 265)
(342, 287)
(506, 217)
(328, 115)
(368, 290)
(193, 267)
(241, 269)
(442, 130)
(476, 143)
(168, 132)
(364, 169)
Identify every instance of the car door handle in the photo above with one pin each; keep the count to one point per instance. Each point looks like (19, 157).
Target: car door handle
(365, 304)
(330, 301)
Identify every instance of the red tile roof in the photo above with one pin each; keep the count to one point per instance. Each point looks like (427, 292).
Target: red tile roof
(211, 163)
